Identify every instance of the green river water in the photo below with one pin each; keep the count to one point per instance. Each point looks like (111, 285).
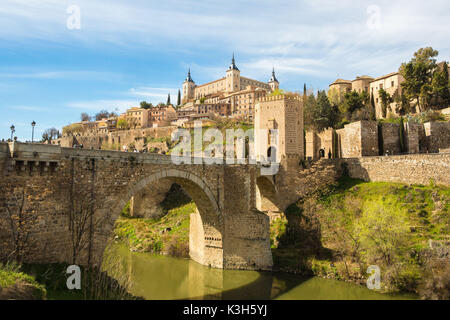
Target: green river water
(161, 277)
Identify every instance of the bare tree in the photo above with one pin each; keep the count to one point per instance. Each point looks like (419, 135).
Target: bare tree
(20, 229)
(51, 134)
(85, 117)
(83, 223)
(101, 115)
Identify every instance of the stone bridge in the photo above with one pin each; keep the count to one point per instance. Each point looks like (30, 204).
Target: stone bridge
(60, 204)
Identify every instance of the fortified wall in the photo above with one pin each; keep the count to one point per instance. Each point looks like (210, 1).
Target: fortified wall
(117, 139)
(367, 138)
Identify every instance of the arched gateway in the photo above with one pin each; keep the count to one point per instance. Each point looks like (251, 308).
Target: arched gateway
(63, 186)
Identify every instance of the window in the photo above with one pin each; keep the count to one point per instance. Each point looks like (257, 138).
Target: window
(392, 83)
(381, 86)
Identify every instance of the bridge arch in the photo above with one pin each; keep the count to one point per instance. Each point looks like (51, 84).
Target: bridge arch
(206, 226)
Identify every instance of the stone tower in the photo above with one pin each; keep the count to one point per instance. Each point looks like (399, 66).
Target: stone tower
(282, 115)
(273, 82)
(188, 88)
(233, 81)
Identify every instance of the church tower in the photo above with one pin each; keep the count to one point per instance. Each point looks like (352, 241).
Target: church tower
(233, 80)
(188, 88)
(273, 82)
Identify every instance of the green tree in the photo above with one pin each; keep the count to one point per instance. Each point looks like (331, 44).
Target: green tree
(146, 105)
(122, 124)
(168, 99)
(277, 92)
(308, 111)
(179, 98)
(319, 114)
(402, 105)
(418, 76)
(440, 86)
(386, 100)
(352, 101)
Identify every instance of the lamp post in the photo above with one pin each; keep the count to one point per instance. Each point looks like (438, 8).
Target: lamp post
(32, 131)
(13, 129)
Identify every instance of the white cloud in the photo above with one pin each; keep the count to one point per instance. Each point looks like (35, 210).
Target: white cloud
(74, 75)
(110, 105)
(318, 38)
(30, 108)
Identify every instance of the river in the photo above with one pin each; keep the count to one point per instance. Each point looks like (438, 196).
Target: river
(161, 277)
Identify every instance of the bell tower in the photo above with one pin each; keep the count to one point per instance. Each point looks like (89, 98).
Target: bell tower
(273, 82)
(233, 81)
(188, 88)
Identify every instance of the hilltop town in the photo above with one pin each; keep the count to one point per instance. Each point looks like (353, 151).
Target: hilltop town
(366, 116)
(384, 172)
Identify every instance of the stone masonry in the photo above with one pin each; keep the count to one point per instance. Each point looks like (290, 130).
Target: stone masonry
(56, 182)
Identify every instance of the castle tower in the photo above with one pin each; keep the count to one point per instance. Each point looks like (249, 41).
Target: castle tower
(188, 88)
(282, 116)
(233, 81)
(273, 82)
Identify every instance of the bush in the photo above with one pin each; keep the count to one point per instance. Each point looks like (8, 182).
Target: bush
(435, 284)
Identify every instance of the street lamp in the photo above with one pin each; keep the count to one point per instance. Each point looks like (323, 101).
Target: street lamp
(13, 129)
(32, 131)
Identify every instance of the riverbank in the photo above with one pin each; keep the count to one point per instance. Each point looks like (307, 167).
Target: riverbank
(17, 285)
(339, 232)
(49, 282)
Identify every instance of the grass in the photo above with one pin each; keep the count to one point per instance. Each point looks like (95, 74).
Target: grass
(363, 223)
(12, 275)
(167, 235)
(95, 284)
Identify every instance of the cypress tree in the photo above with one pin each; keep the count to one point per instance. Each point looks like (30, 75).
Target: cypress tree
(168, 99)
(402, 136)
(179, 98)
(446, 91)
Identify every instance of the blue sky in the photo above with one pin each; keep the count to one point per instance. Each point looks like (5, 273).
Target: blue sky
(129, 51)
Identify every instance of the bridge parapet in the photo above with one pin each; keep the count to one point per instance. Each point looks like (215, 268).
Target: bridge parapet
(34, 155)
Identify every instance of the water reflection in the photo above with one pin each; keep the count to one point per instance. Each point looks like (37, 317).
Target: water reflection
(160, 277)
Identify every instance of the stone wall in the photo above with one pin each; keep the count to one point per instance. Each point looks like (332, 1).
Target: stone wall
(147, 203)
(362, 138)
(320, 141)
(391, 138)
(358, 139)
(60, 185)
(413, 168)
(117, 139)
(437, 135)
(412, 137)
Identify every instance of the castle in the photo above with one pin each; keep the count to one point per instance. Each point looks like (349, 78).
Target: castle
(240, 93)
